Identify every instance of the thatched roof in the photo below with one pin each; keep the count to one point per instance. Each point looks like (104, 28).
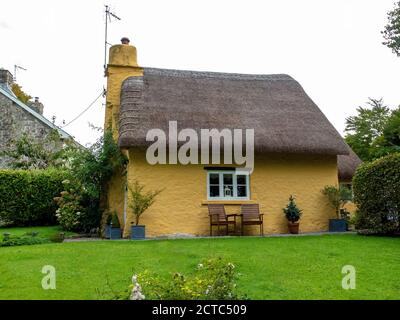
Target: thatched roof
(283, 117)
(347, 165)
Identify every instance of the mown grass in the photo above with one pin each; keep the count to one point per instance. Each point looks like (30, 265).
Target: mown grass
(306, 267)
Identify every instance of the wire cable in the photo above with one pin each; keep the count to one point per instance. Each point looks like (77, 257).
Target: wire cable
(90, 105)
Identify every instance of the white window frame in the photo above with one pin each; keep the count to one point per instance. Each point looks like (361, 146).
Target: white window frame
(221, 185)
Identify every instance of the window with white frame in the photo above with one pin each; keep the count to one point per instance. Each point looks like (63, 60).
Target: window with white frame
(227, 185)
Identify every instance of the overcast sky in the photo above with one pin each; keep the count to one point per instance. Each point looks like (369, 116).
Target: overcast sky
(333, 48)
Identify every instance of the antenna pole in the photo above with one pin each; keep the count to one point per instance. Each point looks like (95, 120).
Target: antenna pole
(108, 15)
(16, 67)
(105, 39)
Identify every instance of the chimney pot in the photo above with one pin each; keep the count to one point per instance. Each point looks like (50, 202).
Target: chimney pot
(36, 99)
(125, 40)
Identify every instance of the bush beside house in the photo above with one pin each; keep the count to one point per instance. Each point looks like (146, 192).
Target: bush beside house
(376, 187)
(26, 197)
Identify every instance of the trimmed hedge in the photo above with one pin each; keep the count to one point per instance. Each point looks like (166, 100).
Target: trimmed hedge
(376, 188)
(27, 196)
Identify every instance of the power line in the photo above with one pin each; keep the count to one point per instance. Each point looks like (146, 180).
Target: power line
(86, 109)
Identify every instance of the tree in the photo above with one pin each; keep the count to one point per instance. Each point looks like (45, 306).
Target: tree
(366, 127)
(21, 95)
(391, 33)
(141, 201)
(337, 197)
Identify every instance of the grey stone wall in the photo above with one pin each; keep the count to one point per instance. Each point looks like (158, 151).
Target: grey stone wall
(14, 122)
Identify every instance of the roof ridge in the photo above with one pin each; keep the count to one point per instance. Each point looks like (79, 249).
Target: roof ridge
(216, 75)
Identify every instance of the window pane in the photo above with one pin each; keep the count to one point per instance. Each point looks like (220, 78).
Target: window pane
(228, 191)
(214, 178)
(241, 179)
(214, 191)
(228, 179)
(241, 191)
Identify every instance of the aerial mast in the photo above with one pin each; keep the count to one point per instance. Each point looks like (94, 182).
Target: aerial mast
(108, 15)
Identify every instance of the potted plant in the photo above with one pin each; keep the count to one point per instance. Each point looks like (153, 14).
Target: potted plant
(292, 213)
(139, 203)
(338, 197)
(115, 227)
(107, 226)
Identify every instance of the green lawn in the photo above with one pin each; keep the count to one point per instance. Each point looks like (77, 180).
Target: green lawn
(306, 267)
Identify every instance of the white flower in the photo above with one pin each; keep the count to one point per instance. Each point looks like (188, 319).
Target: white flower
(200, 266)
(136, 293)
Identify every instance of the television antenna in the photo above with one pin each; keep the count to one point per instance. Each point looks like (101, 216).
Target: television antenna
(109, 15)
(16, 67)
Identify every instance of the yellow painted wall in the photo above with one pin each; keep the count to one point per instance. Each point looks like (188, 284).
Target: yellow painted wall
(182, 206)
(122, 64)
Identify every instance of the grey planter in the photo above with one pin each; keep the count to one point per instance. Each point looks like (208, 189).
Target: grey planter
(138, 232)
(337, 225)
(115, 233)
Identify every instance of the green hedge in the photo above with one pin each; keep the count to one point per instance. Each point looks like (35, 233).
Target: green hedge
(27, 196)
(376, 188)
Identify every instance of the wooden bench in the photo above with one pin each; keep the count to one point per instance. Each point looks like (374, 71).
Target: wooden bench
(251, 215)
(218, 217)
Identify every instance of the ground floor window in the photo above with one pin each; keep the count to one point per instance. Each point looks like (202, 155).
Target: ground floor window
(227, 185)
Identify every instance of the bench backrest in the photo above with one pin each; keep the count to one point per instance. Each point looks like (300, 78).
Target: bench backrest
(217, 212)
(250, 211)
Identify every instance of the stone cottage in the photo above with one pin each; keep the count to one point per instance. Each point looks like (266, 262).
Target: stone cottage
(17, 118)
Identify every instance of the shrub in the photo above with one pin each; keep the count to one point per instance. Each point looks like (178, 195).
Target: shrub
(376, 187)
(214, 279)
(26, 197)
(115, 221)
(292, 212)
(337, 197)
(69, 210)
(10, 240)
(83, 201)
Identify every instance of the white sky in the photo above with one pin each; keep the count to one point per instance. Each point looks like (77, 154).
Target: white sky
(332, 47)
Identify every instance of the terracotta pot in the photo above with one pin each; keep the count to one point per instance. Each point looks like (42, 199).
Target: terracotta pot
(293, 227)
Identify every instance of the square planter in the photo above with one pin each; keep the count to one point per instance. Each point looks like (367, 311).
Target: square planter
(115, 233)
(138, 232)
(337, 225)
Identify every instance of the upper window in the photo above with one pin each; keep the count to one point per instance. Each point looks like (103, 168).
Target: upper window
(227, 185)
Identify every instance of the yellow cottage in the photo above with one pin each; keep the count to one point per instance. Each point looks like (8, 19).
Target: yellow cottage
(296, 148)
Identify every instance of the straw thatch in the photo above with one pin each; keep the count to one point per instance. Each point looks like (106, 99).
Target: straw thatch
(347, 165)
(283, 117)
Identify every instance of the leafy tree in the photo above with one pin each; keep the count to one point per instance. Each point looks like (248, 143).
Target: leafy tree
(391, 33)
(391, 132)
(364, 128)
(21, 95)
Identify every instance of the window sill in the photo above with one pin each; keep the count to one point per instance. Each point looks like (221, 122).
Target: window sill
(227, 202)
